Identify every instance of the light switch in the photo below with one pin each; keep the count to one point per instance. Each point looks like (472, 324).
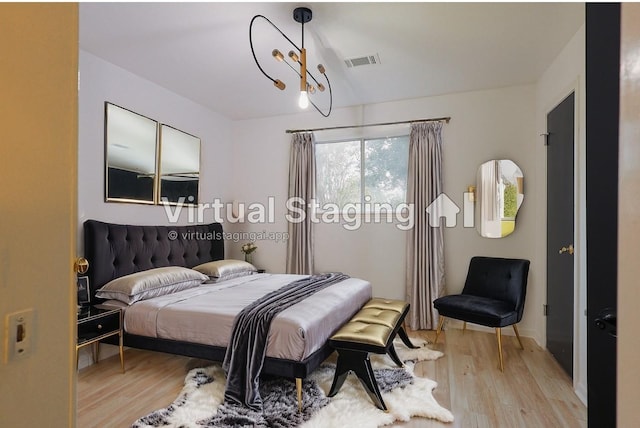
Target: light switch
(19, 327)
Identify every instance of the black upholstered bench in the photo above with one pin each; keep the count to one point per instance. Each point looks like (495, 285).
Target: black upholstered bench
(372, 329)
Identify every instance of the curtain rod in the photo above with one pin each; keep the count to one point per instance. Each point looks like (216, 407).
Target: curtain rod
(435, 119)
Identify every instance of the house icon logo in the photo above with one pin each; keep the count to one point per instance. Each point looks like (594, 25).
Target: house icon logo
(443, 206)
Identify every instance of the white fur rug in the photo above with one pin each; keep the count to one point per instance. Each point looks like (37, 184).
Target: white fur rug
(202, 396)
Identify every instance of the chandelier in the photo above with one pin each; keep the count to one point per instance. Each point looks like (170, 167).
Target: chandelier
(297, 61)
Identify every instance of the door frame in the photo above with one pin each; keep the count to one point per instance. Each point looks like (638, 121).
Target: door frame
(603, 66)
(629, 318)
(579, 231)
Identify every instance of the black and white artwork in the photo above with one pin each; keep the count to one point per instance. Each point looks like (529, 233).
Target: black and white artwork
(83, 290)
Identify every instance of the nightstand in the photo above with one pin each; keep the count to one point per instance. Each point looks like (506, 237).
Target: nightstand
(95, 324)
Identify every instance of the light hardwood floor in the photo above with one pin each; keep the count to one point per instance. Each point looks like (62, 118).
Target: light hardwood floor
(533, 391)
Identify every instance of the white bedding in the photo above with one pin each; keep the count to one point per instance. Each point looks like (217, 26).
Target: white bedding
(205, 314)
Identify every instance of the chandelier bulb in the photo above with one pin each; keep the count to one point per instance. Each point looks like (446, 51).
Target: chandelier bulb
(321, 68)
(294, 56)
(303, 101)
(279, 84)
(321, 87)
(277, 55)
(311, 89)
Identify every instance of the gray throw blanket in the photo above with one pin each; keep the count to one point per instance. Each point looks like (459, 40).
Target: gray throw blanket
(247, 347)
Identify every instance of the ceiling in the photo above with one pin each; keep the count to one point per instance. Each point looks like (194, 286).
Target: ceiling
(201, 50)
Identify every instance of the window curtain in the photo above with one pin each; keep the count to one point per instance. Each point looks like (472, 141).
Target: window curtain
(302, 184)
(425, 246)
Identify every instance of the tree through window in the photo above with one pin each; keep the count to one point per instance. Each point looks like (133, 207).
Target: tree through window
(362, 171)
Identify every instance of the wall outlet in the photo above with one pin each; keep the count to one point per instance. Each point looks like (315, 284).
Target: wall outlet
(19, 329)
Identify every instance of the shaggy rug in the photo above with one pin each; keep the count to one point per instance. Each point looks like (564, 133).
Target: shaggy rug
(200, 403)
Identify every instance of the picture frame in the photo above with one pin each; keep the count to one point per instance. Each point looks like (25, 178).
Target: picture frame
(84, 295)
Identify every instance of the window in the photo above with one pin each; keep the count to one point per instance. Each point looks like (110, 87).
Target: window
(366, 172)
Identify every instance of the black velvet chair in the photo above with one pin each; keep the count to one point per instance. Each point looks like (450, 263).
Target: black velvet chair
(493, 296)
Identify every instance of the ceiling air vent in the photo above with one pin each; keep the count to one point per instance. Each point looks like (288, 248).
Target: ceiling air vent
(362, 60)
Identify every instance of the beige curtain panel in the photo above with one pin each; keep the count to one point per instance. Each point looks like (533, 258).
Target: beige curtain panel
(425, 247)
(302, 184)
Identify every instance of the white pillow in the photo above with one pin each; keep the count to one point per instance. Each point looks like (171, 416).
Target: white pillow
(221, 270)
(151, 283)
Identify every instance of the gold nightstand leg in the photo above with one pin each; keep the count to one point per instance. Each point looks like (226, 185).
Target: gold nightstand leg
(96, 355)
(121, 353)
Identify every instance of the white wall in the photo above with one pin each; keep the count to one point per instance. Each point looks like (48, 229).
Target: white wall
(492, 124)
(102, 81)
(565, 75)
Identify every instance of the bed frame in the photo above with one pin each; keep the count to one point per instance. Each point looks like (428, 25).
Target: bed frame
(115, 250)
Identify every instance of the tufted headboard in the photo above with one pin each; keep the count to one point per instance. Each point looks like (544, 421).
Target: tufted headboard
(115, 250)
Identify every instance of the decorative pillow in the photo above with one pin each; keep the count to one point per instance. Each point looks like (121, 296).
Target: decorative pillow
(151, 283)
(221, 270)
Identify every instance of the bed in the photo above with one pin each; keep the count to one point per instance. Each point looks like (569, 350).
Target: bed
(295, 347)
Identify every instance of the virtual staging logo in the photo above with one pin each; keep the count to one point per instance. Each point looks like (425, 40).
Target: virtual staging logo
(442, 211)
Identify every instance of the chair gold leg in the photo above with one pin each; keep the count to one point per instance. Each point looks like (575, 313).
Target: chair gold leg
(499, 336)
(440, 324)
(515, 328)
(299, 392)
(464, 327)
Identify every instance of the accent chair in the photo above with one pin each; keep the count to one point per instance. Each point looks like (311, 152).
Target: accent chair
(493, 296)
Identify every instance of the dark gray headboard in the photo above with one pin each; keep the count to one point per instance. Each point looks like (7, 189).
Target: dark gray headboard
(115, 250)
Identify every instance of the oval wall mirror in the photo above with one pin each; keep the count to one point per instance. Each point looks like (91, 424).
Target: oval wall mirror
(499, 195)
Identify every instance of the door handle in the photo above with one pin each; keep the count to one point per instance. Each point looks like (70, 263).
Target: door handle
(607, 320)
(568, 249)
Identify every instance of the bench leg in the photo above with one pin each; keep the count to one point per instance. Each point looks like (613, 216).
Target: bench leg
(368, 380)
(359, 362)
(342, 370)
(405, 339)
(391, 351)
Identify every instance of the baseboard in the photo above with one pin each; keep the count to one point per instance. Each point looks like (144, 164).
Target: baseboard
(507, 331)
(581, 392)
(85, 356)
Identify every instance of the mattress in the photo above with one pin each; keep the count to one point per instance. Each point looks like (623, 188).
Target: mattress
(205, 314)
